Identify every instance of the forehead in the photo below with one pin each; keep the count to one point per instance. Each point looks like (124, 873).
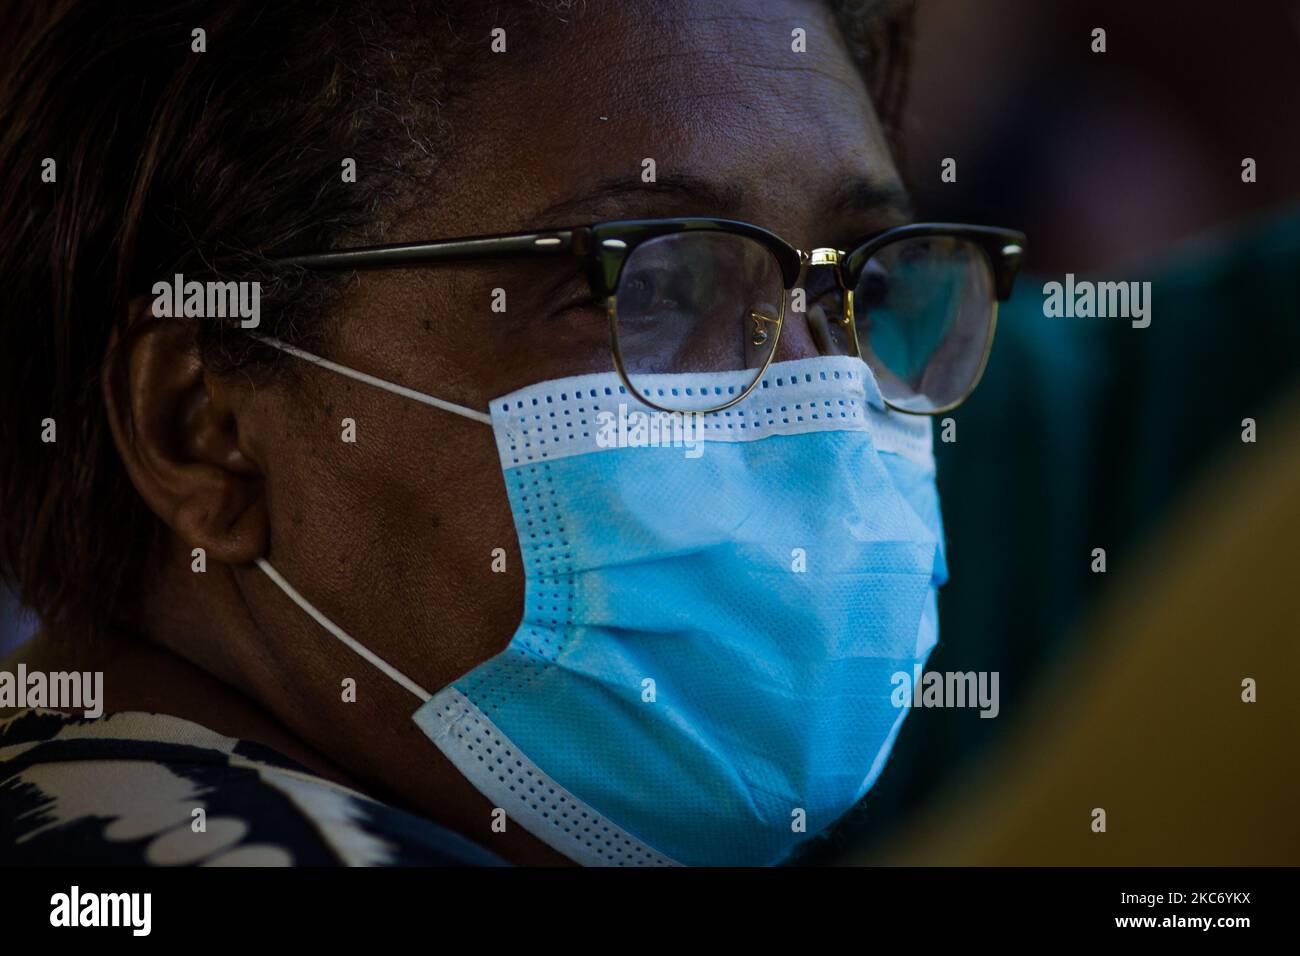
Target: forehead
(710, 92)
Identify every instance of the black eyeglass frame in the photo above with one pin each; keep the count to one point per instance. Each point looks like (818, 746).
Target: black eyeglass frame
(606, 246)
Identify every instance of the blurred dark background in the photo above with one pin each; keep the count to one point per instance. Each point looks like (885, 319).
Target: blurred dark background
(1123, 165)
(1104, 159)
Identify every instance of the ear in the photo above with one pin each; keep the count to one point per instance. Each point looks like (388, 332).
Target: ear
(177, 430)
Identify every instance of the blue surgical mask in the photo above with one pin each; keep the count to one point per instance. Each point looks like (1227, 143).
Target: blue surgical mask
(703, 670)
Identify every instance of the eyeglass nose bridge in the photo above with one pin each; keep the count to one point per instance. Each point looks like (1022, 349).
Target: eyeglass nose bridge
(821, 256)
(829, 256)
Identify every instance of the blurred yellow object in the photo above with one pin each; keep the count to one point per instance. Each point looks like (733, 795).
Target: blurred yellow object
(1145, 717)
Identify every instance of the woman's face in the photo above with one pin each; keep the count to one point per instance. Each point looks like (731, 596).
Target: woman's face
(393, 535)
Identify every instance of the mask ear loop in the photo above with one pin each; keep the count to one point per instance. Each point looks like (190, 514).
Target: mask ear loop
(391, 672)
(278, 580)
(402, 390)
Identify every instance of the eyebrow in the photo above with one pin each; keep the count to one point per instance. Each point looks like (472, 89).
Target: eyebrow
(855, 196)
(861, 196)
(630, 196)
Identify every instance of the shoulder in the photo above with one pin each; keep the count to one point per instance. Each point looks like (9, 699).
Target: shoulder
(149, 789)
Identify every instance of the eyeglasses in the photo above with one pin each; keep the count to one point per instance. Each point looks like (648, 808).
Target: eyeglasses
(918, 303)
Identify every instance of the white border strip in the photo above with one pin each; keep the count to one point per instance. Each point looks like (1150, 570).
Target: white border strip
(552, 420)
(432, 718)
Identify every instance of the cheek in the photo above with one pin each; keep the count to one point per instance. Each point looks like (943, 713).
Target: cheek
(396, 532)
(576, 341)
(464, 563)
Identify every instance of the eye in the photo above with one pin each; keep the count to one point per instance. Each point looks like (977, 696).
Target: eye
(659, 278)
(649, 289)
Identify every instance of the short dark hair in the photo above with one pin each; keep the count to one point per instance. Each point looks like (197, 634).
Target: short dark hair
(168, 161)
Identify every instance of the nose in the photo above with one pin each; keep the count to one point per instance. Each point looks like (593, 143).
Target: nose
(814, 310)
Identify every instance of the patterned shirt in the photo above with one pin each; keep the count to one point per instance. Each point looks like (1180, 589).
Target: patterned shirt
(149, 789)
